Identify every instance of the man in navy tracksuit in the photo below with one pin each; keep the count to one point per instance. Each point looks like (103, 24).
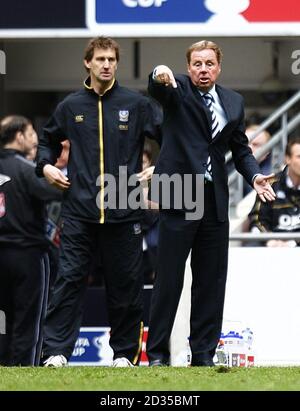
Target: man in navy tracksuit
(106, 125)
(283, 214)
(23, 262)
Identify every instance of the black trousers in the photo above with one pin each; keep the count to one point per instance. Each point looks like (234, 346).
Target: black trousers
(208, 240)
(120, 246)
(24, 279)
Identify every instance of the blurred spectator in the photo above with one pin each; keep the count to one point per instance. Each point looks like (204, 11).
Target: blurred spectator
(54, 220)
(31, 153)
(23, 262)
(149, 225)
(283, 214)
(259, 141)
(254, 118)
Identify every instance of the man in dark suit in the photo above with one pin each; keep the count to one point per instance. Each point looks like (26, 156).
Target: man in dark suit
(202, 121)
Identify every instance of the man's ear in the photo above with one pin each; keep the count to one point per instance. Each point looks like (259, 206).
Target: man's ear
(287, 160)
(19, 135)
(19, 139)
(87, 64)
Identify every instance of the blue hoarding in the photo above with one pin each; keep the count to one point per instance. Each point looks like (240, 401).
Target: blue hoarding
(92, 347)
(151, 11)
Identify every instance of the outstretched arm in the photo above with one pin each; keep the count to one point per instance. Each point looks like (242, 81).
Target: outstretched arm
(162, 85)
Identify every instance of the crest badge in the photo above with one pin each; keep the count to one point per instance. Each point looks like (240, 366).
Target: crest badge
(137, 229)
(123, 115)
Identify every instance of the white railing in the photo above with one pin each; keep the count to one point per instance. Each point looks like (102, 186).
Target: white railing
(276, 144)
(264, 236)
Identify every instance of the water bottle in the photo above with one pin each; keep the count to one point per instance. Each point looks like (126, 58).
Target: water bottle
(221, 353)
(234, 347)
(247, 335)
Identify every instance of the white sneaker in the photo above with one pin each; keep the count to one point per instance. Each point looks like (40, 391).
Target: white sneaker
(56, 361)
(122, 362)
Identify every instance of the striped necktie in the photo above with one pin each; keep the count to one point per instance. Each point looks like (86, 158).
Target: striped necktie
(215, 130)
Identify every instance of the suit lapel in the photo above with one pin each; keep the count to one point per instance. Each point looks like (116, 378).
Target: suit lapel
(226, 102)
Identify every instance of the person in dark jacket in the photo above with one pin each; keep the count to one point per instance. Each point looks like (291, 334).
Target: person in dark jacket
(283, 214)
(202, 121)
(24, 272)
(106, 125)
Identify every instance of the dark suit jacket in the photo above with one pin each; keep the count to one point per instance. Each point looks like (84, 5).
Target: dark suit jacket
(187, 141)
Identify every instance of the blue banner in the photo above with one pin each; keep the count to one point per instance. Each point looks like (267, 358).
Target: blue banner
(151, 11)
(92, 347)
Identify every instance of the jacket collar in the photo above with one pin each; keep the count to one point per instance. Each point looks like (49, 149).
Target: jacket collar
(226, 101)
(285, 181)
(88, 87)
(5, 152)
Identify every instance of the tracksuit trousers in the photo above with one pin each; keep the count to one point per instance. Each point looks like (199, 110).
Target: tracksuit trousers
(120, 248)
(24, 279)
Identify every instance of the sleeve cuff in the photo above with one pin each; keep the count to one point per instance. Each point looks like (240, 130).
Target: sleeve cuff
(254, 177)
(40, 166)
(154, 73)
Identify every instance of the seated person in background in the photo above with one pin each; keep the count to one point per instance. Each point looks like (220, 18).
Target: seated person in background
(283, 214)
(259, 141)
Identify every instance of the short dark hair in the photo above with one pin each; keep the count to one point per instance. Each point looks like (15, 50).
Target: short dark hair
(290, 144)
(10, 126)
(101, 43)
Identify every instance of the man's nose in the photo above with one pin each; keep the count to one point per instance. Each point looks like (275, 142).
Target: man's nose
(106, 63)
